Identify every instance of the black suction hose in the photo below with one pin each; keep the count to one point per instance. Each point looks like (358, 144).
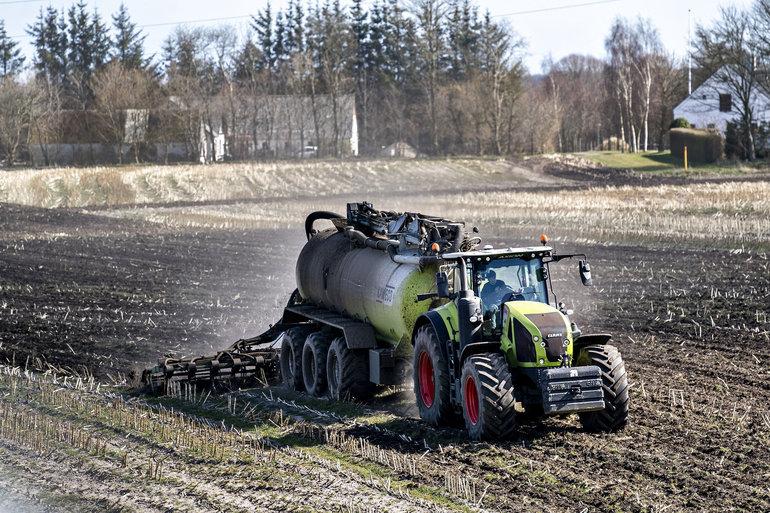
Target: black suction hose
(315, 216)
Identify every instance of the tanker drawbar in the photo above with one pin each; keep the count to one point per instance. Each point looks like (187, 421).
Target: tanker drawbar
(384, 298)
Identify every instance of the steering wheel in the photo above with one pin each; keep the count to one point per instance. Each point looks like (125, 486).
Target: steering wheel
(513, 295)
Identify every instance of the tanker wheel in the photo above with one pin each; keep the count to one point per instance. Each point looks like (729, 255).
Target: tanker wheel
(347, 372)
(614, 416)
(291, 356)
(488, 402)
(314, 354)
(431, 378)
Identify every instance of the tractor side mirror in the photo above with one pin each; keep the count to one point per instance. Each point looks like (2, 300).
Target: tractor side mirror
(442, 284)
(585, 273)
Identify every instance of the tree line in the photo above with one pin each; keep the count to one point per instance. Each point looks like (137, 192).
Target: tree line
(440, 75)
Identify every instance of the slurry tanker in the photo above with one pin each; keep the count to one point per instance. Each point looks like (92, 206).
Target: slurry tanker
(382, 296)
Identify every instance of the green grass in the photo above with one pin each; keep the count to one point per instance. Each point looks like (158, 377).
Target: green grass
(664, 163)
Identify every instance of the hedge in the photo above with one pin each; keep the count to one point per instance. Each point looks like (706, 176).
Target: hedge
(680, 123)
(702, 145)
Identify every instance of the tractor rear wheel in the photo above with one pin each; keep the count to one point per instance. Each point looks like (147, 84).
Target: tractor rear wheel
(347, 372)
(614, 416)
(291, 356)
(431, 378)
(488, 402)
(314, 354)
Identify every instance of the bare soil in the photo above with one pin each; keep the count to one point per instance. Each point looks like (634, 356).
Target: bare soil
(87, 293)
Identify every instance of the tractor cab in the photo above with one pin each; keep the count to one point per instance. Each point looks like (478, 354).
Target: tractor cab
(509, 288)
(501, 278)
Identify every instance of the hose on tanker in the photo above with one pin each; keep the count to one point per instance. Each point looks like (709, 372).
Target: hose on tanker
(369, 242)
(390, 247)
(316, 216)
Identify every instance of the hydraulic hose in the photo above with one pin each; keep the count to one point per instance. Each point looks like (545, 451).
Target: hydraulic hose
(315, 216)
(390, 246)
(369, 242)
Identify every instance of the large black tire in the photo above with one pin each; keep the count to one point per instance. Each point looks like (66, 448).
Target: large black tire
(347, 372)
(431, 378)
(488, 402)
(614, 416)
(291, 356)
(314, 363)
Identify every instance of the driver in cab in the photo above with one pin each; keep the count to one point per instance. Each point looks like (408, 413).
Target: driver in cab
(494, 290)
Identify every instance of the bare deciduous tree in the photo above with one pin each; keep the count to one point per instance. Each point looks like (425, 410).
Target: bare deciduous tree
(17, 103)
(120, 91)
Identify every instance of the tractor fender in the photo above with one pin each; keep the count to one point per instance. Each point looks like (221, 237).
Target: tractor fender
(478, 347)
(594, 339)
(434, 319)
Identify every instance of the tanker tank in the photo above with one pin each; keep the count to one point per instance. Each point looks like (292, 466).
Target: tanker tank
(364, 283)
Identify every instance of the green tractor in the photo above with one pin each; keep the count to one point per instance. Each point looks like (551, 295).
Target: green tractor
(504, 342)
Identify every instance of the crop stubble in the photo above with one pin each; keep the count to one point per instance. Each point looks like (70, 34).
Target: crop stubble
(103, 294)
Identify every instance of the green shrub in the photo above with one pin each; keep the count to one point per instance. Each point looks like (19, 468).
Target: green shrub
(704, 146)
(680, 123)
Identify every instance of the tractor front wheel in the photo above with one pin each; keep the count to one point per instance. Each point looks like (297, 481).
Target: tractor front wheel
(488, 402)
(431, 378)
(614, 416)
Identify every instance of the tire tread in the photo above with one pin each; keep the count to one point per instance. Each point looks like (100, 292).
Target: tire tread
(614, 416)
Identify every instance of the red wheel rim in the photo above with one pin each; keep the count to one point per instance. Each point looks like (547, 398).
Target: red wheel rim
(471, 400)
(427, 385)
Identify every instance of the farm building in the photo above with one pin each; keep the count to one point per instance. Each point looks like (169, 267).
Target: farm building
(714, 103)
(259, 127)
(399, 149)
(282, 126)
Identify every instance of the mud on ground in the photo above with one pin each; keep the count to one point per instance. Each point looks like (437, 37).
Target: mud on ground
(89, 293)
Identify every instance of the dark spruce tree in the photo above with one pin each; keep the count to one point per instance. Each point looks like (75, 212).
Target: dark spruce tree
(80, 41)
(262, 24)
(463, 34)
(11, 59)
(49, 39)
(100, 42)
(246, 62)
(297, 26)
(128, 43)
(280, 54)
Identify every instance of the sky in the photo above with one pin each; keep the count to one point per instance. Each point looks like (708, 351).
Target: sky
(549, 29)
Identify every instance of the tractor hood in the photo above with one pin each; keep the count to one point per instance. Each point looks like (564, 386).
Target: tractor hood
(535, 335)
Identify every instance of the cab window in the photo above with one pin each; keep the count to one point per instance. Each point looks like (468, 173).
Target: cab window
(509, 279)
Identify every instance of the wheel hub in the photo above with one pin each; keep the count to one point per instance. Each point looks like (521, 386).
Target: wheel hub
(471, 400)
(427, 383)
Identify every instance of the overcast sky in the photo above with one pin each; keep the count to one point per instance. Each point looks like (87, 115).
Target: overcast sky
(549, 31)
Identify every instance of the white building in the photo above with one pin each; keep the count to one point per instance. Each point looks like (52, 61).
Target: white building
(282, 126)
(714, 104)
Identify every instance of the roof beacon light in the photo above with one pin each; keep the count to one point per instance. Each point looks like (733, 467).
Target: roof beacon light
(435, 247)
(543, 239)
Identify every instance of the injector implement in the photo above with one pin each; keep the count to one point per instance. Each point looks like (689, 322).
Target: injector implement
(382, 296)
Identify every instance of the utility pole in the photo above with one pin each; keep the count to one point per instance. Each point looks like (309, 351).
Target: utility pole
(689, 52)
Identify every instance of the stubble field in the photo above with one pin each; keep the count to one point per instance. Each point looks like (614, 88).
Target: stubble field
(178, 260)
